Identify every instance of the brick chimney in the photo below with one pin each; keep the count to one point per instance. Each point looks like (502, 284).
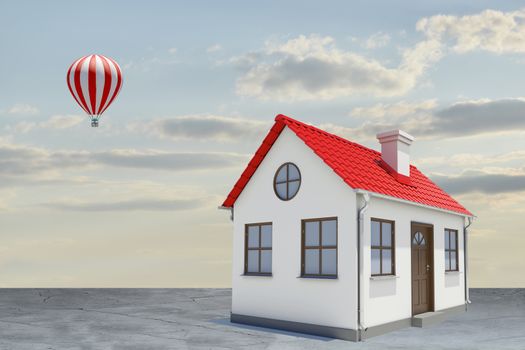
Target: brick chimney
(395, 153)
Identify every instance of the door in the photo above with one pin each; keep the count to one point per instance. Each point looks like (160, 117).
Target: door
(422, 268)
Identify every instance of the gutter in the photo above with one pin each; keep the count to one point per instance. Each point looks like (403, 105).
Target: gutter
(227, 208)
(395, 199)
(465, 263)
(360, 229)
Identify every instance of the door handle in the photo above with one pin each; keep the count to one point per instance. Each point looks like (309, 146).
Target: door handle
(428, 267)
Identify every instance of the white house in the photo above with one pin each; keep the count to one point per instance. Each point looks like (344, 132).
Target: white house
(335, 239)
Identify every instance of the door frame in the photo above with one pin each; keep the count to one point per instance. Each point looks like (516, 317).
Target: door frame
(432, 269)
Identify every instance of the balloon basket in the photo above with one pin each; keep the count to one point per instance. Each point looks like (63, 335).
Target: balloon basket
(94, 123)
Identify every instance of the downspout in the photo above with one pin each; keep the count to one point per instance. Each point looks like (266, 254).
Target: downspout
(360, 229)
(465, 263)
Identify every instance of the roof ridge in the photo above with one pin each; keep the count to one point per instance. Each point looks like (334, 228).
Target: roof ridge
(286, 119)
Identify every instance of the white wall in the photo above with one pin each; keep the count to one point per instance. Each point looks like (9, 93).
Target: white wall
(284, 296)
(390, 299)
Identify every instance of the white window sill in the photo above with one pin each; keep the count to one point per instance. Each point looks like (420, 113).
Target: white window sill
(381, 278)
(453, 272)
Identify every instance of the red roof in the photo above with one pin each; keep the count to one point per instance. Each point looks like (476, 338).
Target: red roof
(360, 167)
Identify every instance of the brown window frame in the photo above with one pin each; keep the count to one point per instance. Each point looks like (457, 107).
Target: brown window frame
(320, 247)
(381, 247)
(287, 181)
(258, 248)
(449, 251)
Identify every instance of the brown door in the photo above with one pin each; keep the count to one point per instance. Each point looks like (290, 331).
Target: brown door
(422, 268)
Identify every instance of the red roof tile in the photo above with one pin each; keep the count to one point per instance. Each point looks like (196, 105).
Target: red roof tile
(358, 166)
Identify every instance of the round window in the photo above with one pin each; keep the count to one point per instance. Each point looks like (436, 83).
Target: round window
(287, 181)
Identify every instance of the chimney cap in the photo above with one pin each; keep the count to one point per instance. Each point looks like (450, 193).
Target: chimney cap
(395, 135)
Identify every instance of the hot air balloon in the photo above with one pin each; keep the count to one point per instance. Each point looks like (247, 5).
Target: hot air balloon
(94, 81)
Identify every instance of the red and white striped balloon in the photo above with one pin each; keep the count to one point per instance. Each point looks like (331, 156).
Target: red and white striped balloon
(94, 81)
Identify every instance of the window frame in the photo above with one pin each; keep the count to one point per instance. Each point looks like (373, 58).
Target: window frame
(287, 181)
(449, 251)
(258, 248)
(381, 247)
(320, 248)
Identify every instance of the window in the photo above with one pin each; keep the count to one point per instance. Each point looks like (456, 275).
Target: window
(287, 181)
(451, 250)
(319, 248)
(382, 247)
(258, 249)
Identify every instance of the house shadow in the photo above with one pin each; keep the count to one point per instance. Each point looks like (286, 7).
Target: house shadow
(226, 322)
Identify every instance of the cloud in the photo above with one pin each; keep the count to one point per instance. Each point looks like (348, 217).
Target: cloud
(22, 109)
(57, 122)
(22, 127)
(390, 110)
(377, 40)
(204, 127)
(491, 30)
(483, 116)
(214, 48)
(426, 120)
(19, 163)
(470, 159)
(62, 121)
(142, 204)
(309, 68)
(481, 182)
(172, 50)
(314, 68)
(175, 161)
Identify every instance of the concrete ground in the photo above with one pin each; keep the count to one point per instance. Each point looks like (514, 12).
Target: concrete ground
(198, 319)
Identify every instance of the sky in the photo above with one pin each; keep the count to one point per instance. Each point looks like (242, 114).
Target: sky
(134, 202)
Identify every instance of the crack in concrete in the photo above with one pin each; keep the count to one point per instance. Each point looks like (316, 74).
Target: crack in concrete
(25, 324)
(505, 338)
(172, 322)
(492, 318)
(46, 298)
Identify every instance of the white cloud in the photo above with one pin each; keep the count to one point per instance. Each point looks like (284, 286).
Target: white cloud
(462, 160)
(214, 48)
(314, 68)
(204, 127)
(308, 68)
(57, 122)
(390, 110)
(172, 50)
(22, 127)
(491, 30)
(377, 40)
(23, 109)
(62, 121)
